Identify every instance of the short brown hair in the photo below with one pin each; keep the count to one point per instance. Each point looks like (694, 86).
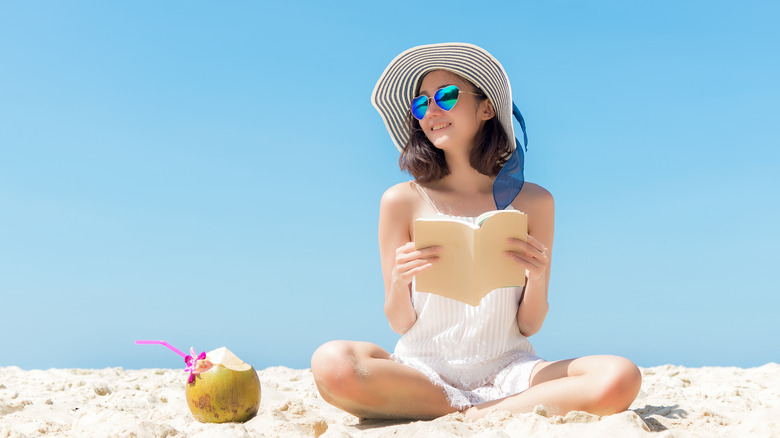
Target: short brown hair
(426, 162)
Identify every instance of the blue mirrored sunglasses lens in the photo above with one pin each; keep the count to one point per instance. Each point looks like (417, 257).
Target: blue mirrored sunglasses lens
(419, 107)
(447, 97)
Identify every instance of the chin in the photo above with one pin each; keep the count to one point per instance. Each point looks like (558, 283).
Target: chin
(440, 142)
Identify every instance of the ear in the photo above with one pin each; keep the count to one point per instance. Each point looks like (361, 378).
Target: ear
(486, 110)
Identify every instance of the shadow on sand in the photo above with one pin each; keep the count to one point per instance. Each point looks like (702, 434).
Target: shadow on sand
(374, 424)
(673, 412)
(647, 413)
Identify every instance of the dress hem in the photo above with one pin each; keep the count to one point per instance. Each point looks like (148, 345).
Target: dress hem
(513, 379)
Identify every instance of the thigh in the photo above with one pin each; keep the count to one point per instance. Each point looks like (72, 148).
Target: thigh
(602, 365)
(368, 350)
(546, 371)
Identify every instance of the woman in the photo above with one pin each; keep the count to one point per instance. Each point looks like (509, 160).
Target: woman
(448, 108)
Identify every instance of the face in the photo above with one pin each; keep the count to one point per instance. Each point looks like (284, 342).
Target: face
(458, 127)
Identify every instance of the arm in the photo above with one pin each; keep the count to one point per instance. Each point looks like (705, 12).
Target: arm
(535, 256)
(400, 261)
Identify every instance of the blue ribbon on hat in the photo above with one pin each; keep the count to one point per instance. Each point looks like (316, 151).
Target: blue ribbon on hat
(509, 180)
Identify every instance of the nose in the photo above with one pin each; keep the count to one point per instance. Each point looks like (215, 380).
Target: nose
(433, 107)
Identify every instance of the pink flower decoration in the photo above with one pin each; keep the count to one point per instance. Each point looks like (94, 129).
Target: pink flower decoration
(196, 365)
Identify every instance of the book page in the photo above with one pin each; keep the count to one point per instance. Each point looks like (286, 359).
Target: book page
(495, 269)
(453, 275)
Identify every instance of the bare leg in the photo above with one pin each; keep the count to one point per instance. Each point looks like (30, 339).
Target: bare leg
(359, 377)
(600, 385)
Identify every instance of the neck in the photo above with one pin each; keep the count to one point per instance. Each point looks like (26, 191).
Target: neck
(463, 178)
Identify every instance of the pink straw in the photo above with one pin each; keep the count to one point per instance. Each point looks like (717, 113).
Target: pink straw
(174, 349)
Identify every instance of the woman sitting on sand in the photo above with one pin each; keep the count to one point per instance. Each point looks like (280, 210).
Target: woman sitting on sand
(454, 139)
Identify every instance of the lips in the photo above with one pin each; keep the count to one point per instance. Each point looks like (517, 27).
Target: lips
(439, 126)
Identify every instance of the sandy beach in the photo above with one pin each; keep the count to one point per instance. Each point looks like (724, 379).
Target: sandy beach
(674, 402)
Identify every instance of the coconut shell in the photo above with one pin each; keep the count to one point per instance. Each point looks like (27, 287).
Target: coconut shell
(222, 394)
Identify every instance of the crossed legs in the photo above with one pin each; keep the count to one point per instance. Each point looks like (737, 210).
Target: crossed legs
(601, 385)
(359, 378)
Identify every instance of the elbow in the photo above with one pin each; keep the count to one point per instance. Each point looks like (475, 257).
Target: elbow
(530, 331)
(400, 325)
(402, 328)
(531, 326)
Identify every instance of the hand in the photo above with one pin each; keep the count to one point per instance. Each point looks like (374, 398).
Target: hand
(410, 262)
(531, 255)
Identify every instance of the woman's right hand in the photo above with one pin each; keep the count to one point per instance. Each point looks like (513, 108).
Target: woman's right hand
(410, 262)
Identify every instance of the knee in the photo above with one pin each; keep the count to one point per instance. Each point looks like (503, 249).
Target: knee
(620, 385)
(336, 370)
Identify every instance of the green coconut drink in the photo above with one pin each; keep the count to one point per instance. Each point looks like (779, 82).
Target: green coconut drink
(221, 387)
(228, 391)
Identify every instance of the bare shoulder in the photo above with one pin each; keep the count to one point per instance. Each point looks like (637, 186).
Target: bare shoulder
(537, 202)
(401, 196)
(399, 203)
(396, 212)
(534, 198)
(401, 192)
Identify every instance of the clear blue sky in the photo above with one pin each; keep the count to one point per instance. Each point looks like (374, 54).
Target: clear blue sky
(210, 174)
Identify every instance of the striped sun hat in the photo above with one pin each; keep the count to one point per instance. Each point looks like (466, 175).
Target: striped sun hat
(396, 87)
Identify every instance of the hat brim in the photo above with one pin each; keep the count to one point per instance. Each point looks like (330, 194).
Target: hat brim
(395, 88)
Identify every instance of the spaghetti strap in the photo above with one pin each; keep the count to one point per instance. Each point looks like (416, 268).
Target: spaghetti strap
(426, 196)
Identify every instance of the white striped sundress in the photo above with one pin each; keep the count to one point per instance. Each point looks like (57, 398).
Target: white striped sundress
(477, 354)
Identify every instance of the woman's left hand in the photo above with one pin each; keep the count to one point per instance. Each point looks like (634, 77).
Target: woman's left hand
(531, 255)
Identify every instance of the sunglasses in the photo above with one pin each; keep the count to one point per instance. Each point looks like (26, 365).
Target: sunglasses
(445, 97)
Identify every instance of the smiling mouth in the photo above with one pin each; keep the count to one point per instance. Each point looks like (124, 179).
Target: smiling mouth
(439, 126)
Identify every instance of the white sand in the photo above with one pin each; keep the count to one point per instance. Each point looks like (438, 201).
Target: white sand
(674, 402)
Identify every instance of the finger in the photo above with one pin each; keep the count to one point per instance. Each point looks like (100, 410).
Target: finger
(419, 254)
(408, 271)
(411, 265)
(419, 269)
(526, 261)
(533, 241)
(430, 249)
(405, 259)
(540, 253)
(409, 247)
(535, 244)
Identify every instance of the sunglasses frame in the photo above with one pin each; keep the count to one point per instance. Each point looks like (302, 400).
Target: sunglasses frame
(437, 95)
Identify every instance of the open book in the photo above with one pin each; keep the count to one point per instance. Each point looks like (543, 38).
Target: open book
(472, 261)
